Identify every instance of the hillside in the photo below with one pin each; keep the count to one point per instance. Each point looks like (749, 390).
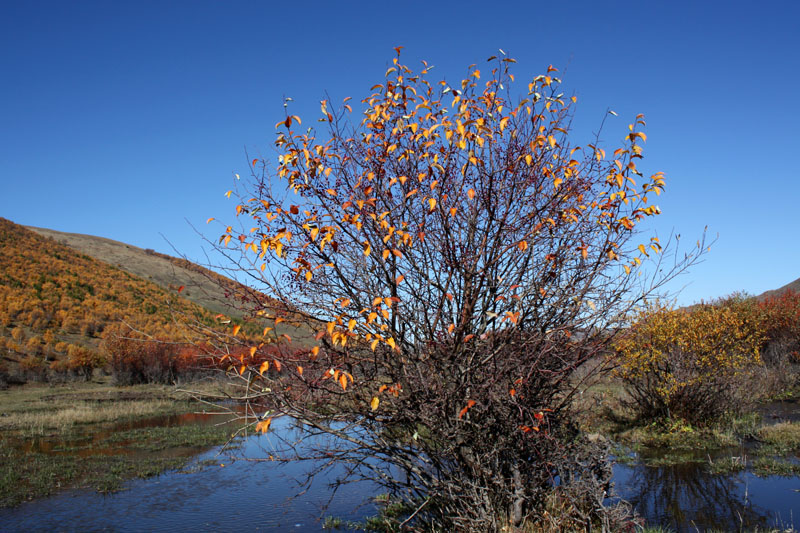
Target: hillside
(794, 286)
(61, 293)
(202, 286)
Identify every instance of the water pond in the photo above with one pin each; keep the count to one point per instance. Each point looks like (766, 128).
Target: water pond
(226, 490)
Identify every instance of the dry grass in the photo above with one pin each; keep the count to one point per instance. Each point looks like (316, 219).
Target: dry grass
(41, 410)
(781, 438)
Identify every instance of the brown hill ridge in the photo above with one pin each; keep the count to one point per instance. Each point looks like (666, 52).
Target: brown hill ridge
(793, 286)
(201, 286)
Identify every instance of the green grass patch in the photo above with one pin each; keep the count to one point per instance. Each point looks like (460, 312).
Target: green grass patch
(771, 466)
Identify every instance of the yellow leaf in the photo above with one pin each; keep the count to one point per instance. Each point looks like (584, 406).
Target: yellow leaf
(642, 249)
(386, 254)
(351, 324)
(432, 203)
(390, 342)
(374, 344)
(308, 275)
(253, 350)
(374, 403)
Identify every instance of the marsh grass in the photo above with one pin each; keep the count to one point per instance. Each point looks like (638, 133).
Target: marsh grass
(780, 439)
(85, 436)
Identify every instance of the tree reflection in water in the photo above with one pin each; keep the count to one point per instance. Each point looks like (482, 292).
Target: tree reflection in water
(686, 497)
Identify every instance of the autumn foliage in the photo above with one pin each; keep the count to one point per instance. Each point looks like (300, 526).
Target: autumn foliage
(57, 306)
(692, 363)
(462, 257)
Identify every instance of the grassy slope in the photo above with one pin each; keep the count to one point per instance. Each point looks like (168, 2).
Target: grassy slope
(202, 286)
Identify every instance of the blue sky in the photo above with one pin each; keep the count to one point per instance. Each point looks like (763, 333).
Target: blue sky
(128, 119)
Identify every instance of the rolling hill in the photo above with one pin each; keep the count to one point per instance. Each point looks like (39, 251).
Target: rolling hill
(61, 293)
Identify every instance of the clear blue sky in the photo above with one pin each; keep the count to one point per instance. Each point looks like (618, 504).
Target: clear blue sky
(126, 119)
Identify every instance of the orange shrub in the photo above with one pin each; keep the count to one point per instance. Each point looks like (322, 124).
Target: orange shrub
(781, 318)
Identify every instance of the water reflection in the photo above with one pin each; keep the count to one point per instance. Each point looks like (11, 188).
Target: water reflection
(242, 495)
(250, 492)
(686, 497)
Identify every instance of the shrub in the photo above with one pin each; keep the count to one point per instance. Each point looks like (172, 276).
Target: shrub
(690, 363)
(460, 258)
(781, 318)
(82, 361)
(134, 359)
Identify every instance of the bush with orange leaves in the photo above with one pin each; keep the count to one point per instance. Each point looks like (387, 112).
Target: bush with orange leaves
(781, 317)
(691, 363)
(460, 258)
(134, 358)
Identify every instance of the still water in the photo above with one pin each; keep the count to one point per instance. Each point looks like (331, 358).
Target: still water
(247, 495)
(242, 495)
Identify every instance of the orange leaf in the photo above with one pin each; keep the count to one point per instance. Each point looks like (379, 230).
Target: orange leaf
(264, 367)
(236, 329)
(263, 426)
(180, 289)
(470, 403)
(343, 381)
(277, 364)
(300, 370)
(314, 352)
(253, 350)
(471, 194)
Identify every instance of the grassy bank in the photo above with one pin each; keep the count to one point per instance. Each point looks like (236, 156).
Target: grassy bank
(94, 435)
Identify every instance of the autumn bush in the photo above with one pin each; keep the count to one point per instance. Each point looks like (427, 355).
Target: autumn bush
(134, 358)
(460, 258)
(82, 360)
(692, 363)
(781, 317)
